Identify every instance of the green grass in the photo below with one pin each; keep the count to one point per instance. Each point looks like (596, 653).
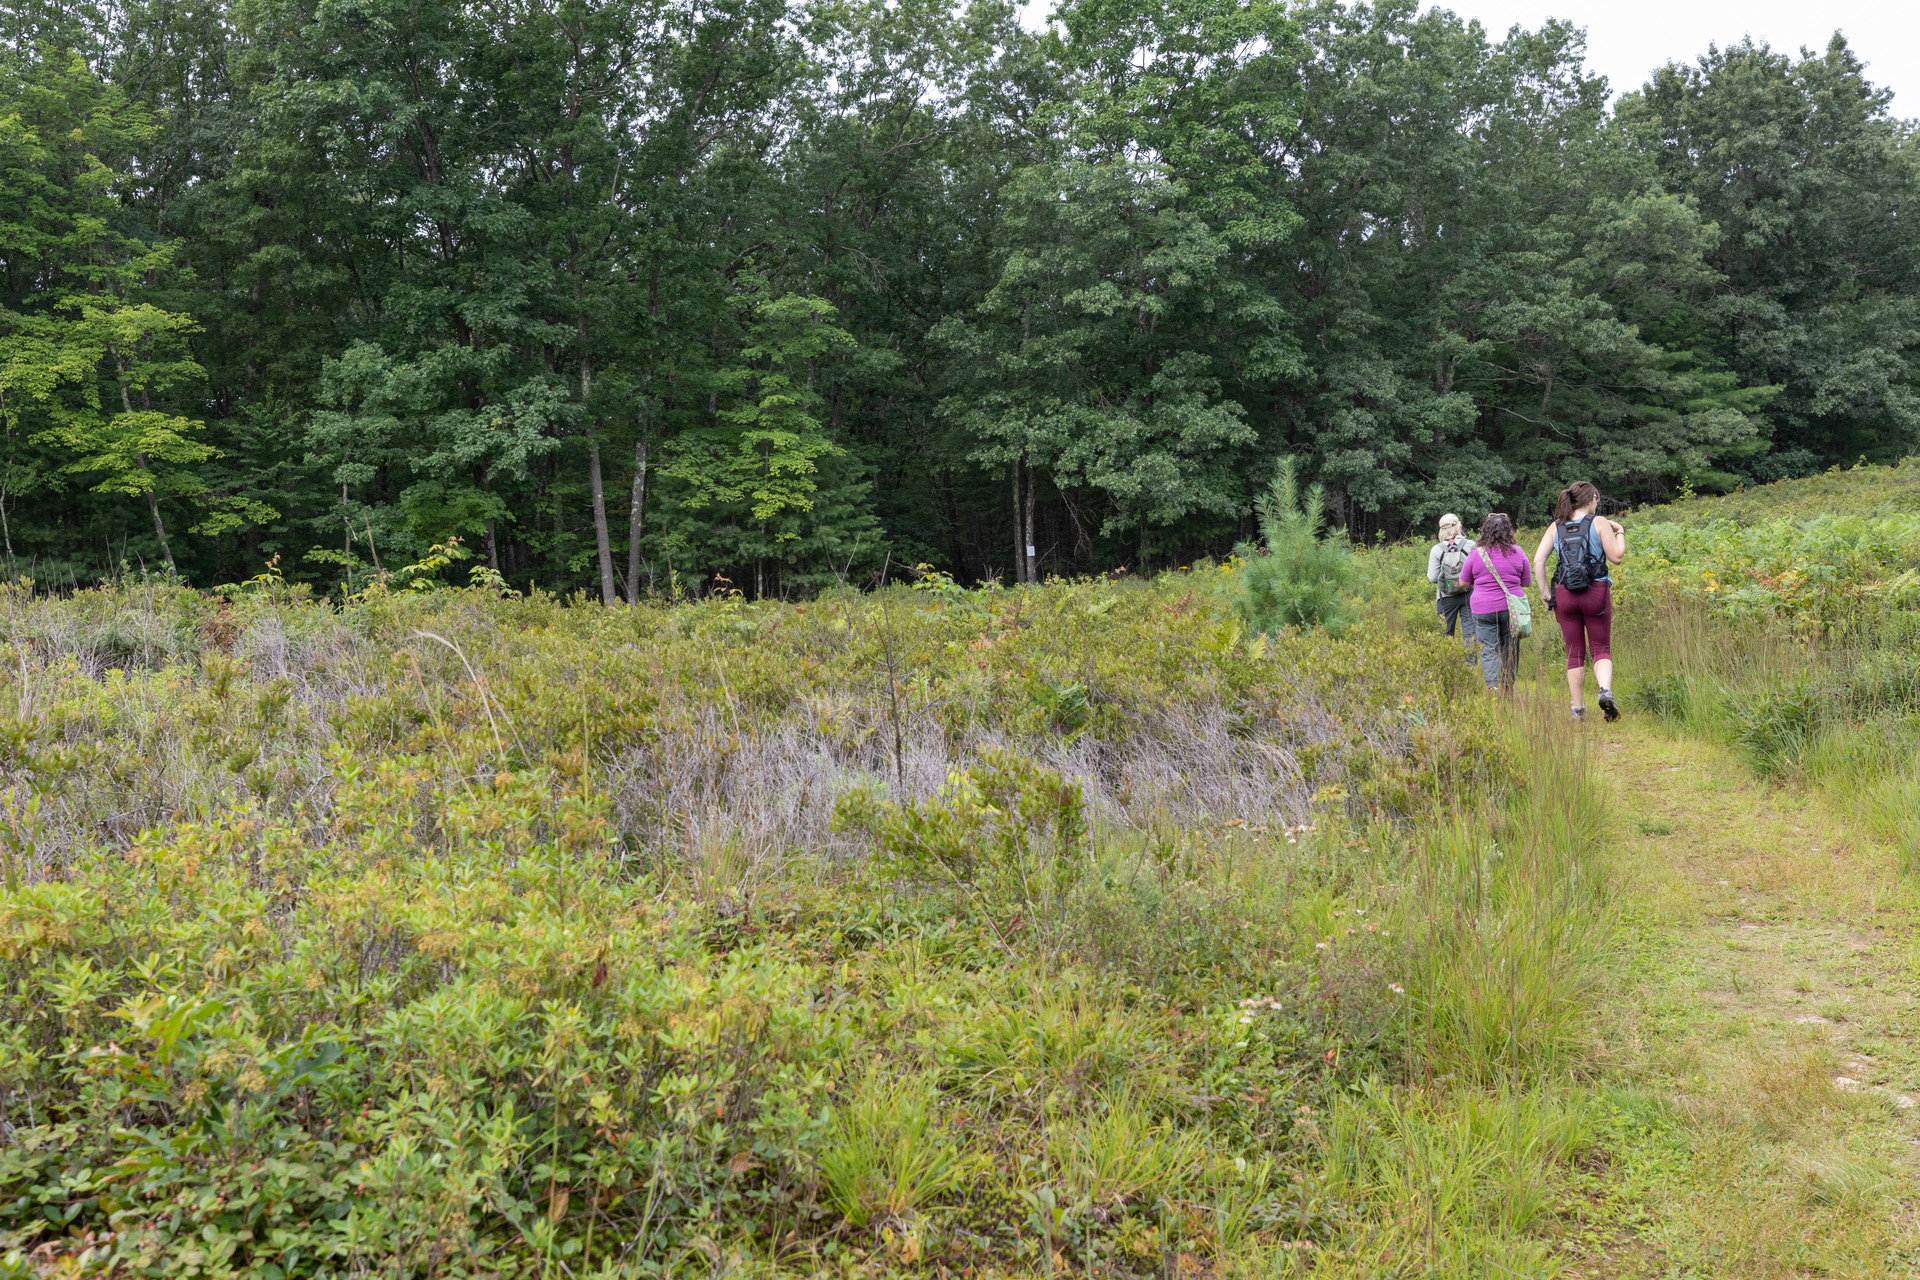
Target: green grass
(1765, 951)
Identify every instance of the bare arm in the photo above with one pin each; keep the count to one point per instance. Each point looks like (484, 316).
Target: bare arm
(1540, 561)
(1613, 539)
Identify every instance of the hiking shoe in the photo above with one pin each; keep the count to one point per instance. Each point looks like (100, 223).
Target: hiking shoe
(1608, 705)
(1579, 713)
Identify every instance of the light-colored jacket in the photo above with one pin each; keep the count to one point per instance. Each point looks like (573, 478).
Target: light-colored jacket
(1433, 563)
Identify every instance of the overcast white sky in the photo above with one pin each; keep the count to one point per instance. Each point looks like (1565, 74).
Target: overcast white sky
(1627, 39)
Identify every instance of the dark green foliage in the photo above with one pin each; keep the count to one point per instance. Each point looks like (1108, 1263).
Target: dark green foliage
(1812, 185)
(1301, 576)
(628, 293)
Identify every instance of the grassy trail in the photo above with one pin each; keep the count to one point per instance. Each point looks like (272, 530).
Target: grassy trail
(1762, 1121)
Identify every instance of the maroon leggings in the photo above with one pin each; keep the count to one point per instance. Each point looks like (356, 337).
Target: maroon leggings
(1586, 618)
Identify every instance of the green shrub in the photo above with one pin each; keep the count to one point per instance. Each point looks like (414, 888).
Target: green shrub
(1008, 832)
(1301, 577)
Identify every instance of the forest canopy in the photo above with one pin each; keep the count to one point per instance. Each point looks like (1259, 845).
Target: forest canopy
(631, 295)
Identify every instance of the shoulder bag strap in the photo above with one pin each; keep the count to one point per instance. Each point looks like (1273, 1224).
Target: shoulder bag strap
(1487, 560)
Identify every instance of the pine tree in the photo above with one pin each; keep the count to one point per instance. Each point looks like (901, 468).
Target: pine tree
(1301, 577)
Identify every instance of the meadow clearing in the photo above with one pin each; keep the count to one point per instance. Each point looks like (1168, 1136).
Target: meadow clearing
(1061, 930)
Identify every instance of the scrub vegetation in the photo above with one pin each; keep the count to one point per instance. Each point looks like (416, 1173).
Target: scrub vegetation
(1786, 621)
(1073, 928)
(1076, 929)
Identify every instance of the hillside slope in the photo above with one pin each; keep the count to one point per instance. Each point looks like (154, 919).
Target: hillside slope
(1872, 492)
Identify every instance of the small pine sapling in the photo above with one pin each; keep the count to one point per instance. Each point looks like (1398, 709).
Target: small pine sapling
(1301, 577)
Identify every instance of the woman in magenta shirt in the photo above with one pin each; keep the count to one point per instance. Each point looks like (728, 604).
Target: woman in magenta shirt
(1495, 568)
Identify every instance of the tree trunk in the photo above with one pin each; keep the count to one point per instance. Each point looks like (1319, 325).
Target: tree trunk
(153, 499)
(153, 506)
(1033, 560)
(602, 541)
(636, 518)
(603, 544)
(1019, 544)
(159, 526)
(493, 549)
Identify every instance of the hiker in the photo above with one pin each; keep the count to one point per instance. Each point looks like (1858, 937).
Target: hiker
(1580, 593)
(1444, 563)
(1495, 572)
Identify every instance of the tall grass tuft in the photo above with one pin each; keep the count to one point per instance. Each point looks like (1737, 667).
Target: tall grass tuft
(889, 1154)
(1516, 917)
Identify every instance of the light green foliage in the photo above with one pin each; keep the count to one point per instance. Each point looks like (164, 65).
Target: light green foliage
(1836, 554)
(1828, 574)
(774, 421)
(87, 342)
(753, 477)
(1301, 577)
(1871, 492)
(1783, 619)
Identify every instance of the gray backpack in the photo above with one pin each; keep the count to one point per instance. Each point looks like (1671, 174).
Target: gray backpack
(1452, 561)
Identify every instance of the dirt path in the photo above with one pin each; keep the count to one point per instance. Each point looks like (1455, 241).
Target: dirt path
(1762, 1061)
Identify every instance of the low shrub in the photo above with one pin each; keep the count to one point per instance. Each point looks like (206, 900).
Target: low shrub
(457, 935)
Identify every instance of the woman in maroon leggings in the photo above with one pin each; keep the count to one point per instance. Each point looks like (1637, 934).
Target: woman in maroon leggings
(1580, 593)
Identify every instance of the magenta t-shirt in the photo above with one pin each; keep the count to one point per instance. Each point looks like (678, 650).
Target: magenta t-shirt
(1487, 596)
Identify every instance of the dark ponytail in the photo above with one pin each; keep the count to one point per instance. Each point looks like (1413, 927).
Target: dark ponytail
(1572, 498)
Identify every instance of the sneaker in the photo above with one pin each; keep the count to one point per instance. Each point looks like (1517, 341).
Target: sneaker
(1608, 705)
(1579, 713)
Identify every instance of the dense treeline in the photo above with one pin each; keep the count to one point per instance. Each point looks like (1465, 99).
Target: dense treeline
(630, 293)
